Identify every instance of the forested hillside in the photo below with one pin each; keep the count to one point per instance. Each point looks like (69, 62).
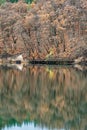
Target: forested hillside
(44, 29)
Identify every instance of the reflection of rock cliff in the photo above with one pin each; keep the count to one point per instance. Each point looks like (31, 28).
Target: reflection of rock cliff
(52, 28)
(54, 97)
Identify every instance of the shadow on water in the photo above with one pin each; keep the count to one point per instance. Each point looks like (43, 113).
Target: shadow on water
(49, 96)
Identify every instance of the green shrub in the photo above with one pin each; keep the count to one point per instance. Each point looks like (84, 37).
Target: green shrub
(13, 1)
(2, 1)
(27, 1)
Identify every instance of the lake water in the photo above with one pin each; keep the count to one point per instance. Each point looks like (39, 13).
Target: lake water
(43, 98)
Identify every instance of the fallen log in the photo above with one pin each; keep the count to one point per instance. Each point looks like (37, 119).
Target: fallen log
(18, 59)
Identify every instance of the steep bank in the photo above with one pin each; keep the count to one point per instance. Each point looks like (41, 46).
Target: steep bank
(44, 30)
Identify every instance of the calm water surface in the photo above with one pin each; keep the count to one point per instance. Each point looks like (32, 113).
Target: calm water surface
(43, 98)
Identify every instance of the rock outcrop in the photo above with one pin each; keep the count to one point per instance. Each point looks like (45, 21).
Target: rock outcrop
(44, 30)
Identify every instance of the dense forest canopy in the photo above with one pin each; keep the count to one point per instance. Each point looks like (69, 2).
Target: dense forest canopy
(45, 29)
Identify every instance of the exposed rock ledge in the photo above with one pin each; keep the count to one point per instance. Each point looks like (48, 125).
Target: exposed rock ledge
(44, 31)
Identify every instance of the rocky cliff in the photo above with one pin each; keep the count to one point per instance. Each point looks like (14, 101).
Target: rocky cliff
(45, 29)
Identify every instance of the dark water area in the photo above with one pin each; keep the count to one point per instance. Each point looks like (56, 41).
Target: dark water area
(43, 98)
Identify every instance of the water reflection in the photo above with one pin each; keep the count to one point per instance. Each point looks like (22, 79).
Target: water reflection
(29, 126)
(50, 97)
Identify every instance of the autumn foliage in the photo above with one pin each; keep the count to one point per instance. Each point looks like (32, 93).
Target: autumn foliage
(44, 30)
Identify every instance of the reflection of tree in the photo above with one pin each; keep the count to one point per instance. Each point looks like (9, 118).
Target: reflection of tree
(55, 97)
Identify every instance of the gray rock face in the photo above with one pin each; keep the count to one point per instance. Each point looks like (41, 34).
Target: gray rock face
(45, 29)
